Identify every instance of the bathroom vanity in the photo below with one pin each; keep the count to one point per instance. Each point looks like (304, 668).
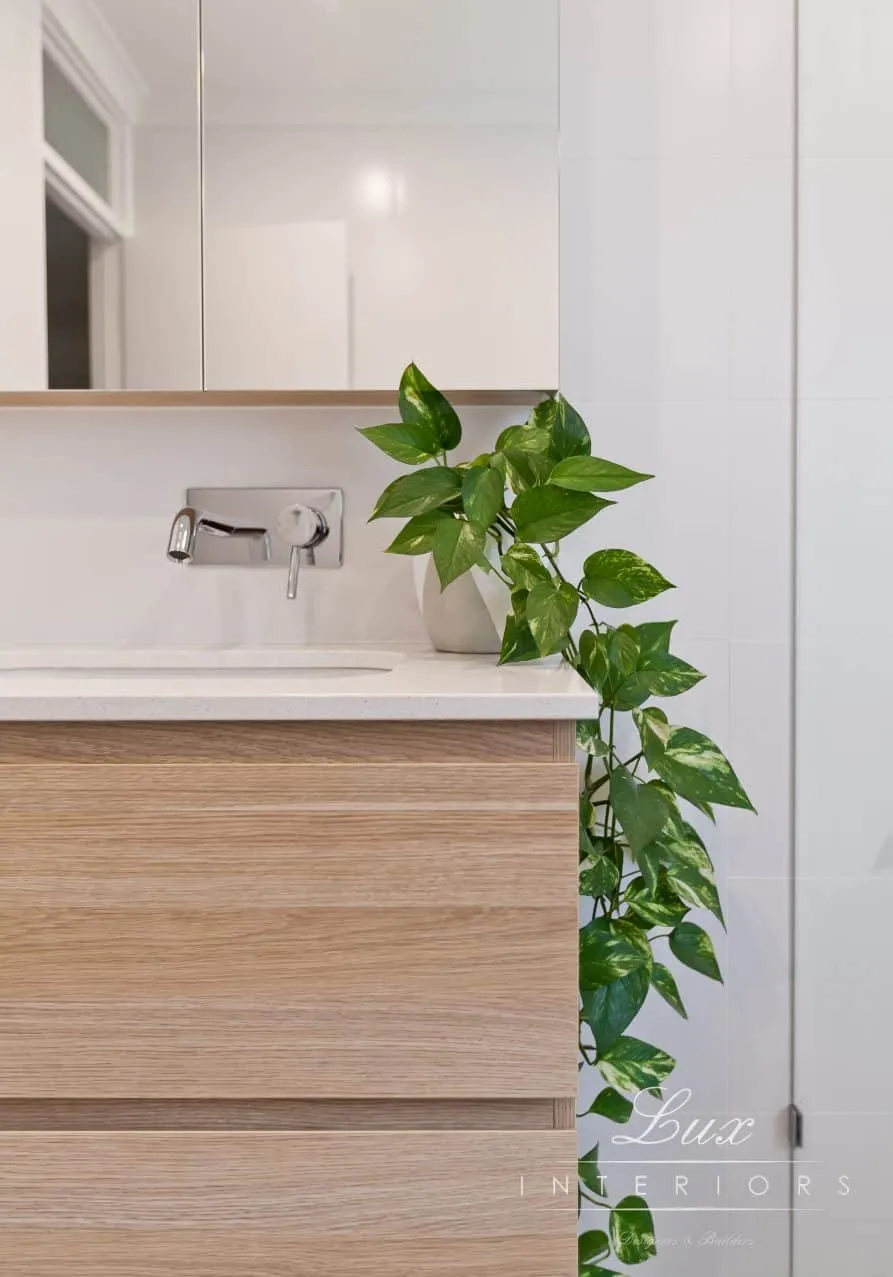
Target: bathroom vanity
(289, 965)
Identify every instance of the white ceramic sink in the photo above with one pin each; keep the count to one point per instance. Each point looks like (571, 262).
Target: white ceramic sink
(194, 665)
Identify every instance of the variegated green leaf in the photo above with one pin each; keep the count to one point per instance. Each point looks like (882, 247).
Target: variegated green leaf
(592, 474)
(663, 981)
(633, 1066)
(458, 545)
(697, 770)
(423, 404)
(641, 809)
(417, 536)
(694, 948)
(517, 643)
(417, 493)
(551, 611)
(544, 515)
(483, 493)
(610, 1010)
(610, 949)
(632, 1231)
(618, 578)
(412, 444)
(612, 1105)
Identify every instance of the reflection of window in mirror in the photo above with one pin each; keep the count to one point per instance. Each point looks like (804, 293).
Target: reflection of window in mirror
(68, 302)
(99, 153)
(84, 234)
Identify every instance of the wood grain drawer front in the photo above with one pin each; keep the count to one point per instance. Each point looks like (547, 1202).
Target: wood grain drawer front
(260, 930)
(407, 1204)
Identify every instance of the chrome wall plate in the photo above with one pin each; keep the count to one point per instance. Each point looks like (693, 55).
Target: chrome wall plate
(261, 508)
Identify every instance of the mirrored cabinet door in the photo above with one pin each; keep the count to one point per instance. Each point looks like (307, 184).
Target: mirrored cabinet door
(381, 184)
(100, 228)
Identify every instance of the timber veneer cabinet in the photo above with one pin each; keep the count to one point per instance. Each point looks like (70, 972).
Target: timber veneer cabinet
(289, 999)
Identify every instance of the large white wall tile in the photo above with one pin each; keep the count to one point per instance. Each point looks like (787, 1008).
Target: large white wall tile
(645, 293)
(846, 279)
(761, 521)
(645, 78)
(846, 93)
(759, 745)
(761, 230)
(762, 97)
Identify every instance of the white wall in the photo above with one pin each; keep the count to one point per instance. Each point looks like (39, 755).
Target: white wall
(86, 501)
(677, 280)
(845, 541)
(23, 339)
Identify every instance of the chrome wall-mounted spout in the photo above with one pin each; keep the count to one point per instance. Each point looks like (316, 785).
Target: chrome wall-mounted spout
(295, 528)
(190, 523)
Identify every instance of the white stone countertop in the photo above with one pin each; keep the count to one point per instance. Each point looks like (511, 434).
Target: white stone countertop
(281, 683)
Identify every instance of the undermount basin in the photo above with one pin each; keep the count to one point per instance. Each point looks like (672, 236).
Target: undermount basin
(194, 664)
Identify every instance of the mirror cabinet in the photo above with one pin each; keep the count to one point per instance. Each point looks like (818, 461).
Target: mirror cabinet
(278, 195)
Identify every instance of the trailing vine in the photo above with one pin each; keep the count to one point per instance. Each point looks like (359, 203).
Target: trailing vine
(644, 869)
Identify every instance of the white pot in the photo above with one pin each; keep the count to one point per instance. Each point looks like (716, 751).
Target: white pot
(469, 615)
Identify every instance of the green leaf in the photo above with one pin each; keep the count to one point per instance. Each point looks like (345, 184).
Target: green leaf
(547, 514)
(612, 1105)
(680, 844)
(618, 578)
(632, 1231)
(417, 493)
(417, 537)
(662, 908)
(551, 611)
(412, 444)
(669, 676)
(694, 948)
(593, 1246)
(589, 737)
(641, 809)
(570, 438)
(610, 1010)
(528, 438)
(458, 545)
(654, 638)
(598, 877)
(654, 732)
(422, 404)
(587, 1169)
(633, 1066)
(698, 890)
(632, 692)
(662, 980)
(517, 643)
(592, 474)
(698, 770)
(610, 949)
(523, 566)
(483, 493)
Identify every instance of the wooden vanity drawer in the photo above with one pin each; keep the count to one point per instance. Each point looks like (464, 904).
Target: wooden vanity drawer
(402, 1204)
(242, 929)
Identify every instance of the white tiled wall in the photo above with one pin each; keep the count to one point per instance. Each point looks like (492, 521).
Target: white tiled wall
(845, 533)
(677, 343)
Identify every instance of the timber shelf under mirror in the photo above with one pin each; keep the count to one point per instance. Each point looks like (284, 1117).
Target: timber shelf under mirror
(256, 398)
(288, 998)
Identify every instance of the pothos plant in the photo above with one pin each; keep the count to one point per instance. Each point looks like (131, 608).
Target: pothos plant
(644, 869)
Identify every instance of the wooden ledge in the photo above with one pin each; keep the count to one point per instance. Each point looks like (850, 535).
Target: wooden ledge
(255, 398)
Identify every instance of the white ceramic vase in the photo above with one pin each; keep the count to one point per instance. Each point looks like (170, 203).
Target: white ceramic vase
(469, 615)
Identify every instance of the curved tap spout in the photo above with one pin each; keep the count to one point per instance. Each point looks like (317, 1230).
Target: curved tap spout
(189, 523)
